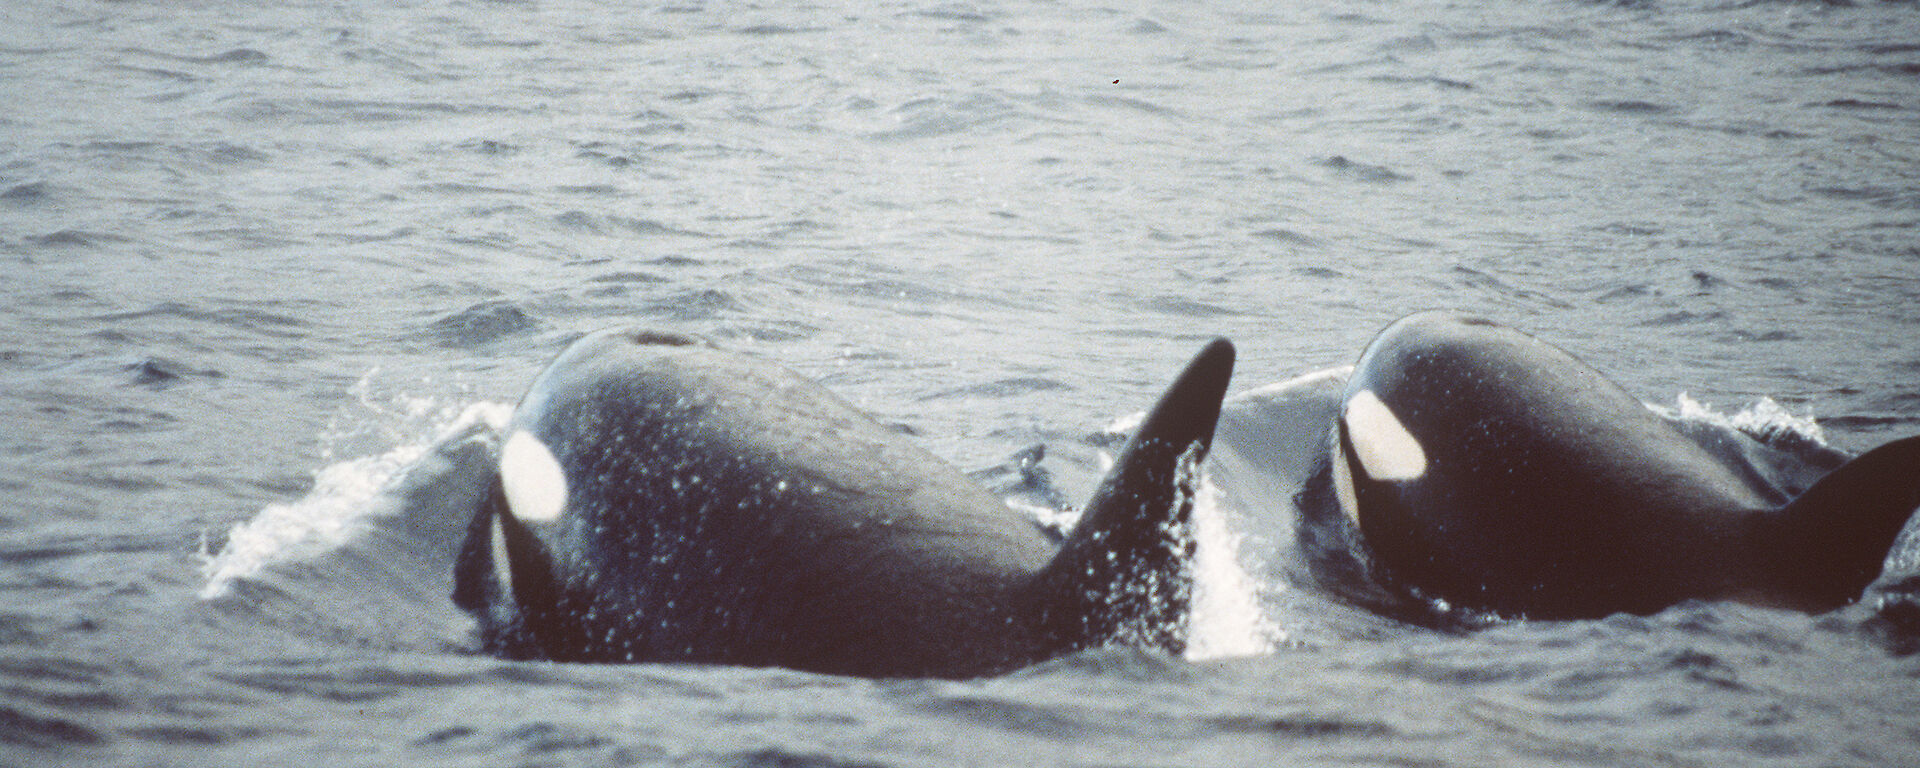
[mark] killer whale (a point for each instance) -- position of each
(1493, 471)
(660, 499)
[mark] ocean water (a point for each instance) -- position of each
(267, 264)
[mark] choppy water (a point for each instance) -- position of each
(258, 256)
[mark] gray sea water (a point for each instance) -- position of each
(260, 256)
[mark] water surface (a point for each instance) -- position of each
(260, 256)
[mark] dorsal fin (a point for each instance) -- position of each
(1826, 546)
(1122, 572)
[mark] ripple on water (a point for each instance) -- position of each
(25, 193)
(1008, 387)
(160, 372)
(482, 323)
(27, 729)
(1341, 166)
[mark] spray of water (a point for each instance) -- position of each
(1227, 619)
(1763, 417)
(344, 490)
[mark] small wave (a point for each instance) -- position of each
(1629, 107)
(1146, 26)
(1184, 307)
(160, 372)
(771, 30)
(74, 237)
(1016, 716)
(1891, 198)
(1773, 335)
(258, 321)
(1629, 292)
(1488, 283)
(1859, 104)
(1009, 387)
(1288, 236)
(956, 12)
(1353, 169)
(29, 191)
(1302, 726)
(1430, 80)
(947, 115)
(692, 306)
(483, 323)
(490, 147)
(1685, 317)
(625, 276)
(610, 224)
(1141, 106)
(235, 56)
(25, 729)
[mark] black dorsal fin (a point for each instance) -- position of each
(1826, 546)
(1123, 571)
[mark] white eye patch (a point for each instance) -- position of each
(535, 484)
(1387, 451)
(1343, 481)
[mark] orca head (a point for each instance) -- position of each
(506, 568)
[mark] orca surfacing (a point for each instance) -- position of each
(659, 499)
(1494, 471)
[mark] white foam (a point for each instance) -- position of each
(1119, 430)
(1387, 451)
(1060, 521)
(1226, 618)
(343, 491)
(1763, 417)
(1125, 425)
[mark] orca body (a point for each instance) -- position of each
(1495, 472)
(659, 499)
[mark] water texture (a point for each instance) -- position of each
(259, 257)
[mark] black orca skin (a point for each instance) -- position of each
(1508, 476)
(717, 508)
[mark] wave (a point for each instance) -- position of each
(366, 557)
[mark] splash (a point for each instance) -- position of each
(345, 490)
(1226, 618)
(1764, 419)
